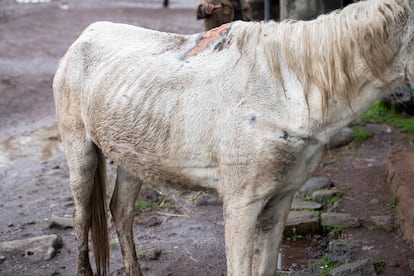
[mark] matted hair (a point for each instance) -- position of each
(336, 51)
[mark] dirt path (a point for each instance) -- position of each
(185, 237)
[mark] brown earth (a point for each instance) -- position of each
(185, 235)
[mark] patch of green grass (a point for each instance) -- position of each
(378, 113)
(359, 134)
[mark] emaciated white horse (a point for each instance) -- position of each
(244, 110)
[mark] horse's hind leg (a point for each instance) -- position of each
(122, 207)
(82, 160)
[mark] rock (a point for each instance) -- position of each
(304, 222)
(154, 254)
(308, 205)
(378, 129)
(339, 220)
(399, 178)
(2, 259)
(61, 223)
(148, 194)
(150, 222)
(401, 100)
(392, 263)
(315, 183)
(342, 138)
(358, 268)
(205, 199)
(322, 196)
(41, 247)
(374, 201)
(342, 251)
(411, 264)
(382, 222)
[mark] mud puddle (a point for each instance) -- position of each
(39, 145)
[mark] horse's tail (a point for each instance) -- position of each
(99, 228)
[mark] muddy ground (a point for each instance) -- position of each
(185, 235)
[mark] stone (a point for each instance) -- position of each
(385, 222)
(392, 263)
(154, 254)
(315, 183)
(40, 247)
(400, 174)
(411, 264)
(148, 194)
(342, 251)
(339, 220)
(401, 100)
(342, 138)
(205, 199)
(322, 196)
(150, 221)
(305, 204)
(60, 222)
(358, 268)
(374, 201)
(304, 222)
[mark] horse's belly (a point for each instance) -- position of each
(177, 170)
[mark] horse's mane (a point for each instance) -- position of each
(335, 52)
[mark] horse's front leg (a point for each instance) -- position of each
(125, 193)
(269, 231)
(240, 218)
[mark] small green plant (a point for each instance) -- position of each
(143, 205)
(295, 236)
(378, 262)
(113, 244)
(393, 203)
(359, 134)
(316, 213)
(378, 265)
(326, 265)
(323, 266)
(334, 198)
(54, 137)
(142, 253)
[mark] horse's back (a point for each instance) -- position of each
(118, 83)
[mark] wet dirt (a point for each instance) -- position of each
(185, 237)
